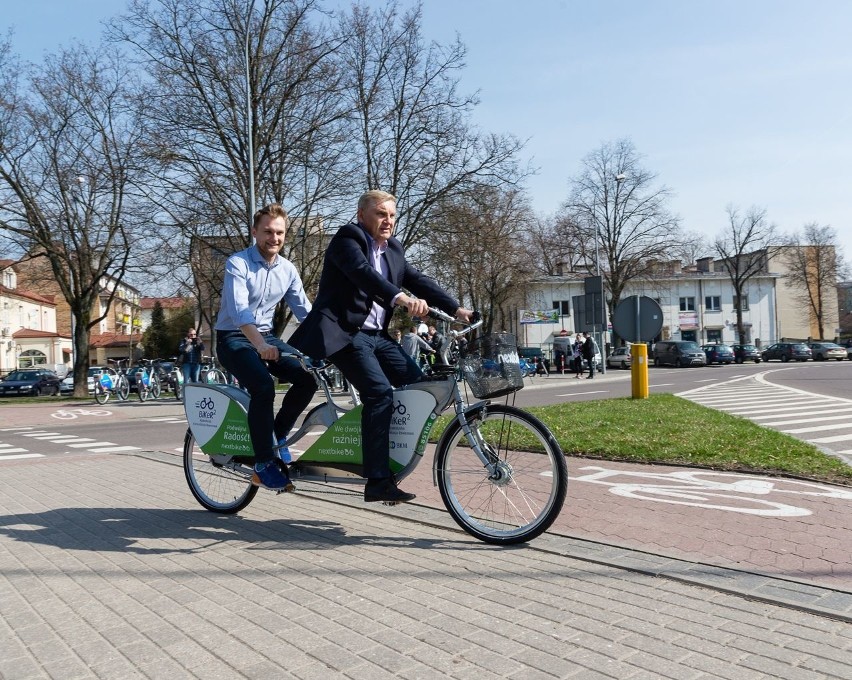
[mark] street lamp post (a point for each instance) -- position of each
(619, 178)
(249, 121)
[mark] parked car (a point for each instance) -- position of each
(786, 351)
(67, 384)
(30, 381)
(620, 358)
(823, 351)
(679, 353)
(746, 353)
(164, 371)
(718, 354)
(533, 355)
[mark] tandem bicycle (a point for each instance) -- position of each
(501, 473)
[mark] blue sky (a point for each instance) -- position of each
(742, 102)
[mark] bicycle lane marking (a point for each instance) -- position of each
(705, 489)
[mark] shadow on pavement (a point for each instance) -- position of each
(159, 531)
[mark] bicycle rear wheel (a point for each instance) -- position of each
(219, 483)
(101, 393)
(524, 494)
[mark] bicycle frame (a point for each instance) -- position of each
(336, 456)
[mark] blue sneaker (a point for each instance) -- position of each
(283, 451)
(271, 476)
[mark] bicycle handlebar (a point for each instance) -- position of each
(443, 316)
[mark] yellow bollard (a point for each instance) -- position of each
(639, 370)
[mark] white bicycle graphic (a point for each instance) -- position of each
(72, 413)
(715, 490)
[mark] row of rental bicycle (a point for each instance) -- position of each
(150, 379)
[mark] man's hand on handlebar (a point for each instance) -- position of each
(465, 315)
(415, 306)
(268, 352)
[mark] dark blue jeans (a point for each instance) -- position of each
(240, 357)
(191, 372)
(375, 364)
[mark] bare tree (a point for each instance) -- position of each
(476, 250)
(692, 246)
(550, 246)
(411, 125)
(200, 56)
(70, 146)
(617, 217)
(743, 249)
(814, 266)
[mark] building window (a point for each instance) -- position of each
(713, 303)
(687, 304)
(743, 300)
(564, 307)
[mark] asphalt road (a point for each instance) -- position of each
(792, 390)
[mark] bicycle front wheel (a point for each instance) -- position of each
(178, 389)
(155, 387)
(219, 483)
(524, 493)
(215, 376)
(101, 393)
(122, 390)
(142, 390)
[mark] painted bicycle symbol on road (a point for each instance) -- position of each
(72, 413)
(714, 490)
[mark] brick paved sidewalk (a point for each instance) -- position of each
(108, 569)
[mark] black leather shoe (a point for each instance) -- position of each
(385, 490)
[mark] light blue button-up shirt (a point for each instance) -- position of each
(253, 288)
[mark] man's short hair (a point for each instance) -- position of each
(374, 196)
(273, 209)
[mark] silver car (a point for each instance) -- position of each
(823, 351)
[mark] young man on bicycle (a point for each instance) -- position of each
(363, 275)
(256, 280)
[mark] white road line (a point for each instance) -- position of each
(801, 421)
(113, 449)
(90, 445)
(821, 428)
(48, 435)
(21, 456)
(64, 438)
(14, 429)
(831, 440)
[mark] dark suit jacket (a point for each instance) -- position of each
(348, 286)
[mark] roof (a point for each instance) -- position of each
(29, 295)
(32, 333)
(113, 340)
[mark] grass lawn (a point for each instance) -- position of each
(670, 430)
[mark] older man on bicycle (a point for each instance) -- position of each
(256, 280)
(363, 276)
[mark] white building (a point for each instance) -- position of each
(28, 335)
(697, 303)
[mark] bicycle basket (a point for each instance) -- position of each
(491, 366)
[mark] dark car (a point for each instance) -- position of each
(744, 353)
(679, 353)
(718, 354)
(787, 351)
(164, 370)
(533, 355)
(32, 382)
